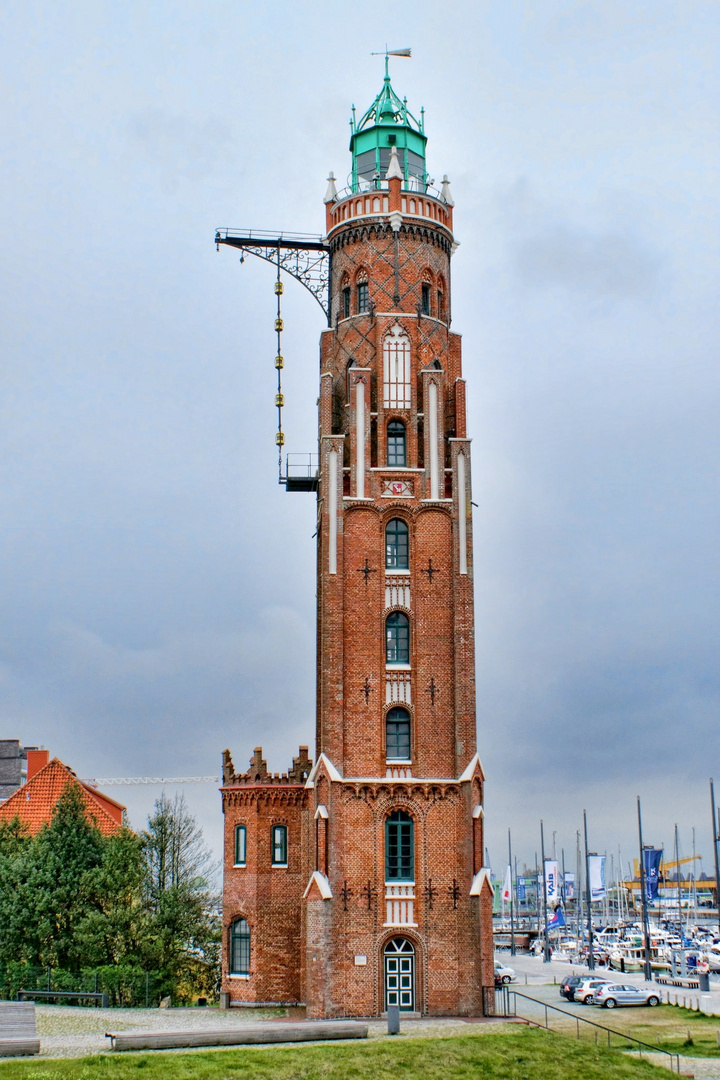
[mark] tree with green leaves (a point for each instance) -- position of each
(115, 907)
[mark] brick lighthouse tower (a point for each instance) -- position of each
(357, 881)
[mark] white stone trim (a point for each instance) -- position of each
(433, 426)
(470, 769)
(399, 903)
(332, 510)
(322, 883)
(479, 880)
(331, 771)
(462, 513)
(360, 437)
(322, 812)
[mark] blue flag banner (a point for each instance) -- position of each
(651, 862)
(520, 886)
(557, 921)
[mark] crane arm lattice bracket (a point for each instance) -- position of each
(126, 781)
(304, 257)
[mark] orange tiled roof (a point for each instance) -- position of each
(35, 801)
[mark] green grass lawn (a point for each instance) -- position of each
(518, 1054)
(681, 1031)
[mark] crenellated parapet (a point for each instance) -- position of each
(258, 770)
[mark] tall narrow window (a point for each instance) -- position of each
(425, 298)
(346, 302)
(363, 301)
(397, 638)
(397, 735)
(240, 948)
(399, 847)
(440, 304)
(396, 545)
(279, 845)
(396, 444)
(396, 369)
(240, 845)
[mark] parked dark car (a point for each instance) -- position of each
(567, 986)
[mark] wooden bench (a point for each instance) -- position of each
(305, 1031)
(18, 1034)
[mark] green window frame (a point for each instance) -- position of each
(346, 302)
(397, 546)
(279, 845)
(397, 735)
(399, 847)
(396, 444)
(425, 298)
(240, 845)
(363, 297)
(397, 638)
(240, 947)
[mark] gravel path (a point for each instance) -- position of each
(72, 1031)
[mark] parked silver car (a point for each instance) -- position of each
(612, 994)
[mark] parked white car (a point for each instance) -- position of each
(503, 975)
(585, 992)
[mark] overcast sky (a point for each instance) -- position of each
(157, 586)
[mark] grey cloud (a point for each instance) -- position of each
(609, 263)
(180, 146)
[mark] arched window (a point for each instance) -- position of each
(399, 847)
(425, 298)
(363, 297)
(240, 948)
(279, 845)
(396, 444)
(397, 638)
(397, 735)
(240, 845)
(396, 545)
(396, 369)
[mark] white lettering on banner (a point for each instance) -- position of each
(552, 892)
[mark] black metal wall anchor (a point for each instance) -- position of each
(345, 894)
(433, 689)
(369, 892)
(366, 570)
(430, 570)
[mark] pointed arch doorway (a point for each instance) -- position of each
(399, 958)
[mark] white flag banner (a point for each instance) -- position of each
(596, 867)
(552, 885)
(507, 887)
(569, 886)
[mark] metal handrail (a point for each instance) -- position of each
(382, 185)
(506, 991)
(269, 234)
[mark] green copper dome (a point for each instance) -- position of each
(387, 123)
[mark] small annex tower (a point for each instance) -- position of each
(358, 881)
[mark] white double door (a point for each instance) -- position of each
(400, 974)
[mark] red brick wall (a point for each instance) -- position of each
(268, 897)
(307, 949)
